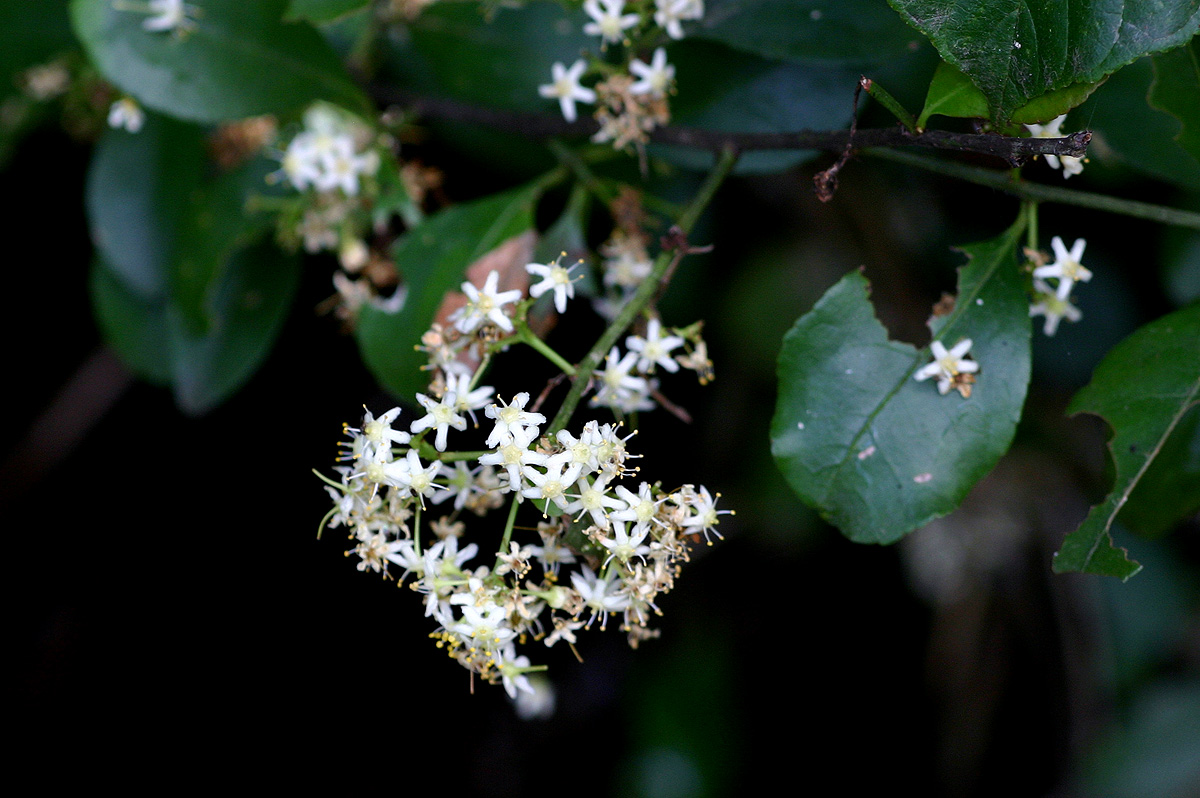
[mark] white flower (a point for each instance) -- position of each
(592, 499)
(538, 702)
(440, 415)
(1069, 163)
(654, 349)
(168, 15)
(566, 88)
(1066, 268)
(599, 595)
(705, 508)
(610, 25)
(1055, 309)
(340, 167)
(655, 77)
(670, 13)
(947, 366)
(514, 424)
(553, 277)
(617, 386)
(126, 113)
(624, 547)
(487, 626)
(485, 304)
(552, 485)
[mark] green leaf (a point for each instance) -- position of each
(951, 93)
(138, 190)
(247, 308)
(854, 33)
(433, 258)
(134, 326)
(323, 10)
(234, 59)
(1015, 51)
(181, 289)
(1143, 388)
(31, 33)
(1127, 129)
(878, 453)
(1170, 489)
(745, 93)
(1176, 90)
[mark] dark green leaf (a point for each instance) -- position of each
(1128, 130)
(323, 10)
(31, 33)
(878, 453)
(744, 93)
(1176, 90)
(138, 191)
(247, 309)
(1142, 388)
(1170, 489)
(499, 61)
(853, 33)
(1015, 51)
(433, 257)
(235, 59)
(134, 326)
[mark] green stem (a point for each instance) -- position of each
(526, 335)
(1041, 193)
(508, 528)
(1031, 219)
(454, 457)
(645, 292)
(890, 103)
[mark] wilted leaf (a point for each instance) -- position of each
(877, 452)
(1142, 388)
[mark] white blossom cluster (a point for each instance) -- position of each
(632, 99)
(1053, 300)
(601, 544)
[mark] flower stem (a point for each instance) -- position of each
(1041, 193)
(526, 335)
(891, 104)
(508, 529)
(645, 292)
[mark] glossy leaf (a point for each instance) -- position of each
(1143, 388)
(234, 59)
(745, 93)
(1015, 51)
(875, 451)
(1176, 90)
(853, 33)
(247, 306)
(433, 257)
(951, 93)
(1128, 130)
(1170, 489)
(138, 190)
(323, 10)
(133, 325)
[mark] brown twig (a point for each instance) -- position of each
(1012, 150)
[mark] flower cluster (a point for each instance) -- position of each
(631, 99)
(602, 544)
(1069, 164)
(1054, 300)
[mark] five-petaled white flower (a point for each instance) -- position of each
(1069, 163)
(670, 13)
(126, 113)
(566, 88)
(654, 349)
(1047, 303)
(609, 23)
(168, 15)
(655, 77)
(1066, 267)
(554, 277)
(949, 366)
(485, 304)
(440, 415)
